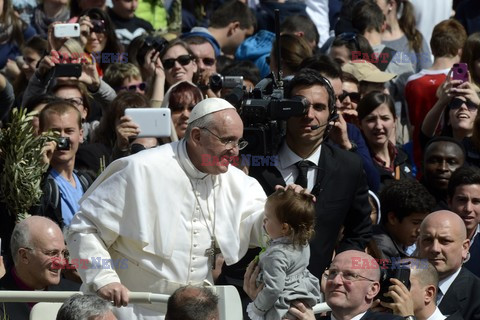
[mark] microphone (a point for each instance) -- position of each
(316, 127)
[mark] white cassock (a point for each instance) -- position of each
(153, 214)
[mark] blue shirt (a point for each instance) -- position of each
(69, 195)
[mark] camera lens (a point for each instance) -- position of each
(75, 27)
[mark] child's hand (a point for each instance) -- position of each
(249, 280)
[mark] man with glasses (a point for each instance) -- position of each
(205, 58)
(170, 212)
(38, 250)
(351, 283)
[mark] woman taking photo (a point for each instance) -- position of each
(376, 114)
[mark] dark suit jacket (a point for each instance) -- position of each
(342, 200)
(463, 295)
(386, 244)
(370, 315)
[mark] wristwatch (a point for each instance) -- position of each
(410, 318)
(354, 147)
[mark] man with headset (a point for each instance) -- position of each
(335, 176)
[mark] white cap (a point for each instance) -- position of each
(207, 106)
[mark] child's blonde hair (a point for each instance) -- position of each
(297, 210)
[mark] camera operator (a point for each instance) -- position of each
(62, 185)
(418, 302)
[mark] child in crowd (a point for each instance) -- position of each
(289, 221)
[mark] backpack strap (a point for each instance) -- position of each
(385, 58)
(85, 179)
(52, 193)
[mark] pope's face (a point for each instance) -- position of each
(219, 142)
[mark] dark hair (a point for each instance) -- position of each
(180, 91)
(232, 11)
(18, 26)
(34, 101)
(37, 44)
(447, 38)
(301, 23)
(105, 132)
(354, 42)
(224, 62)
(471, 53)
(324, 64)
(408, 25)
(112, 45)
(293, 50)
(59, 107)
(443, 139)
(348, 77)
(372, 101)
(309, 77)
(465, 175)
(245, 68)
(367, 17)
(404, 197)
(297, 210)
(192, 303)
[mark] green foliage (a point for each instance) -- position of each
(21, 163)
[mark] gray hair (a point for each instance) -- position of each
(192, 303)
(20, 239)
(206, 121)
(81, 307)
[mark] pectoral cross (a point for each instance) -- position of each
(212, 252)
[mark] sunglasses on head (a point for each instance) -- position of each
(98, 26)
(354, 96)
(456, 103)
(141, 86)
(207, 61)
(183, 60)
(349, 37)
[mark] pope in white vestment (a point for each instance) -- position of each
(153, 214)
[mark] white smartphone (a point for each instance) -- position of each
(64, 30)
(153, 122)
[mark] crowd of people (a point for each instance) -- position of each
(377, 164)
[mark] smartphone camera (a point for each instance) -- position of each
(98, 26)
(63, 143)
(400, 271)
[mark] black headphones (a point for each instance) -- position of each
(332, 105)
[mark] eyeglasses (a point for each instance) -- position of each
(230, 144)
(456, 103)
(207, 61)
(354, 96)
(53, 253)
(141, 86)
(346, 276)
(349, 37)
(183, 60)
(77, 102)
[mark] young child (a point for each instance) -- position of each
(289, 221)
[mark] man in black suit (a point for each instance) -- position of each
(335, 176)
(443, 241)
(420, 299)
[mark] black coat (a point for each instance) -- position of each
(342, 200)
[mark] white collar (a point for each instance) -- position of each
(444, 284)
(357, 317)
(186, 164)
(288, 158)
(437, 315)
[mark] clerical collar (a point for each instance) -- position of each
(186, 163)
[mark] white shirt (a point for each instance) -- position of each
(437, 315)
(444, 284)
(143, 210)
(286, 165)
(357, 317)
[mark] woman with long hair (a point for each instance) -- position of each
(13, 33)
(471, 56)
(402, 34)
(98, 37)
(178, 62)
(377, 117)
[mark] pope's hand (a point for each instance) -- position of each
(115, 292)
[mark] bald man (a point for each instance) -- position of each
(352, 282)
(35, 244)
(192, 303)
(443, 241)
